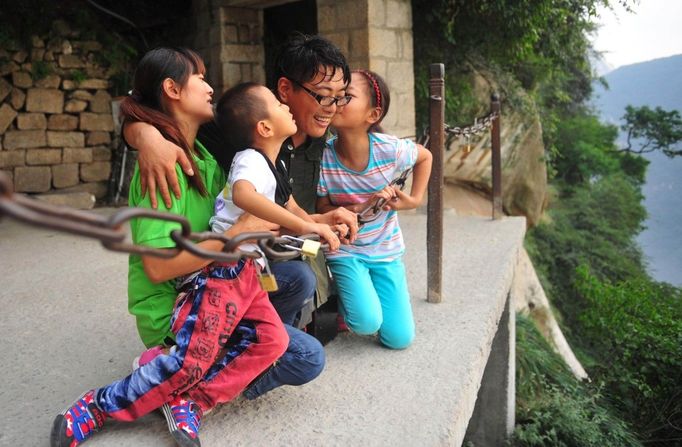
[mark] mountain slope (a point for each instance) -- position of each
(654, 83)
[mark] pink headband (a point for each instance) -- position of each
(375, 86)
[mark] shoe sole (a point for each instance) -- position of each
(185, 441)
(55, 439)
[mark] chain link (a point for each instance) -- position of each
(110, 231)
(480, 125)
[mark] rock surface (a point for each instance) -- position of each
(524, 174)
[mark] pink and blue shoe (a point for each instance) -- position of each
(78, 422)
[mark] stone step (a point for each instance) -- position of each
(77, 200)
(67, 329)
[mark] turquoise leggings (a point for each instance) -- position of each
(374, 298)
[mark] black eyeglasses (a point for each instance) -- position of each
(325, 101)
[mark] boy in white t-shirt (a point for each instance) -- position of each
(256, 123)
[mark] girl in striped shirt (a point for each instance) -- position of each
(357, 168)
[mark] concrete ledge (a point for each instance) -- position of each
(67, 329)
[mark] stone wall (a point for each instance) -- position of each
(231, 41)
(55, 115)
(377, 34)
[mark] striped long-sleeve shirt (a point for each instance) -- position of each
(389, 156)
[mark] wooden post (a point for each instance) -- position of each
(434, 229)
(496, 157)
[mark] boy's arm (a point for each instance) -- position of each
(294, 208)
(157, 158)
(420, 181)
(245, 196)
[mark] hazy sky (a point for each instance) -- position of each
(652, 31)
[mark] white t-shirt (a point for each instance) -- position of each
(247, 165)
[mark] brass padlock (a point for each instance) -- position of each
(267, 280)
(310, 248)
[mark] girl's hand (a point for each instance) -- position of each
(402, 201)
(388, 194)
(326, 233)
(342, 216)
(343, 232)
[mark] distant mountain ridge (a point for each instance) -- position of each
(653, 83)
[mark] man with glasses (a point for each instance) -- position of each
(312, 75)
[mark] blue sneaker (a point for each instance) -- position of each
(184, 419)
(78, 422)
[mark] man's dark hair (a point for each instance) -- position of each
(238, 111)
(300, 57)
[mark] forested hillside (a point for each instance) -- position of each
(624, 327)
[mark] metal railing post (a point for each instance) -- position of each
(434, 229)
(496, 156)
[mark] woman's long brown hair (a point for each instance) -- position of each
(144, 104)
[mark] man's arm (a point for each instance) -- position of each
(157, 158)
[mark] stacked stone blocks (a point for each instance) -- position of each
(56, 122)
(377, 34)
(230, 40)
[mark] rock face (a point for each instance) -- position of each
(524, 174)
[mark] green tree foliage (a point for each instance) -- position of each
(597, 214)
(656, 129)
(594, 225)
(553, 409)
(542, 44)
(627, 328)
(585, 150)
(634, 328)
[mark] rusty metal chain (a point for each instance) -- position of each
(480, 125)
(110, 231)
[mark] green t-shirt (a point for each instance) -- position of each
(152, 304)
